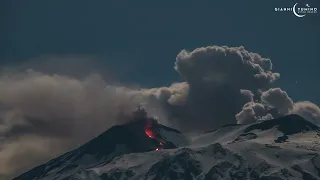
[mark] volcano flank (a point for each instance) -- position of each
(145, 149)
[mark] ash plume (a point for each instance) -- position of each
(218, 82)
(45, 114)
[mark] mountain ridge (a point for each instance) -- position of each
(163, 145)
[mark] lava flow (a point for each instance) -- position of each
(140, 113)
(151, 134)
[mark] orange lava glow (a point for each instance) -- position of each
(152, 134)
(149, 133)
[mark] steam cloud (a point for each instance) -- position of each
(43, 115)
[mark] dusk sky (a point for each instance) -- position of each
(141, 43)
(132, 36)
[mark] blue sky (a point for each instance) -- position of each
(133, 37)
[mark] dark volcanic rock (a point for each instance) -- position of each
(233, 152)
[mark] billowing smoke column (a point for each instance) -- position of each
(224, 85)
(218, 82)
(43, 115)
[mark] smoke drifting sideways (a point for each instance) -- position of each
(43, 115)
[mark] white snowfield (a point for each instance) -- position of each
(287, 148)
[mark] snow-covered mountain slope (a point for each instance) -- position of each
(284, 148)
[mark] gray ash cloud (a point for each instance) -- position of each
(45, 114)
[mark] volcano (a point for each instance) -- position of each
(142, 134)
(283, 148)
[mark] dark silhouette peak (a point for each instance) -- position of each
(141, 134)
(289, 124)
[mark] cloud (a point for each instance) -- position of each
(220, 80)
(214, 66)
(45, 114)
(276, 102)
(307, 110)
(251, 112)
(278, 99)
